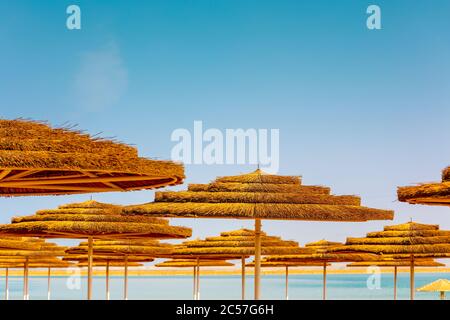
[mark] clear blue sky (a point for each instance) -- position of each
(361, 111)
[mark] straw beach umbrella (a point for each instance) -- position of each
(195, 264)
(36, 159)
(258, 196)
(428, 193)
(185, 263)
(39, 263)
(441, 286)
(124, 248)
(318, 255)
(108, 264)
(19, 263)
(24, 258)
(91, 220)
(107, 261)
(237, 244)
(396, 263)
(286, 265)
(409, 240)
(22, 250)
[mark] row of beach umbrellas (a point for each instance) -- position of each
(37, 159)
(113, 258)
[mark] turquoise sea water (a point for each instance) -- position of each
(349, 286)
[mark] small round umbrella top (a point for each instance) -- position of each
(259, 196)
(91, 219)
(428, 193)
(36, 159)
(440, 285)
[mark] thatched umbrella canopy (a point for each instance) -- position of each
(441, 286)
(193, 263)
(113, 263)
(188, 263)
(36, 159)
(107, 260)
(259, 196)
(409, 240)
(286, 265)
(396, 263)
(36, 263)
(124, 248)
(237, 244)
(22, 251)
(428, 193)
(104, 263)
(91, 220)
(318, 255)
(106, 257)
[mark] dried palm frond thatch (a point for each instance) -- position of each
(404, 241)
(397, 263)
(324, 257)
(106, 257)
(187, 263)
(259, 196)
(428, 193)
(440, 285)
(152, 249)
(101, 263)
(78, 221)
(273, 264)
(36, 159)
(107, 223)
(408, 238)
(226, 245)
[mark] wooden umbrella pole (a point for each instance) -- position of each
(198, 279)
(411, 278)
(49, 273)
(25, 279)
(287, 283)
(442, 295)
(6, 284)
(243, 277)
(194, 294)
(324, 294)
(90, 254)
(107, 280)
(257, 258)
(125, 285)
(395, 283)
